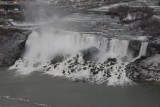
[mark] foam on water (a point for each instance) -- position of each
(23, 101)
(65, 54)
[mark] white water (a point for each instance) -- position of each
(45, 45)
(143, 50)
(23, 101)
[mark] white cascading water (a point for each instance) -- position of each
(143, 51)
(42, 47)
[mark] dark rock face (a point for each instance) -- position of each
(134, 47)
(159, 3)
(153, 49)
(147, 69)
(57, 59)
(90, 54)
(12, 42)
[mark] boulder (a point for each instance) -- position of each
(90, 53)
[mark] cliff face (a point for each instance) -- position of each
(12, 43)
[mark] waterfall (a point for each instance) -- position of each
(119, 47)
(143, 51)
(76, 56)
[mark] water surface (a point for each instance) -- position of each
(39, 90)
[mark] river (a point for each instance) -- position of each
(41, 90)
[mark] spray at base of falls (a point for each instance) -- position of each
(80, 57)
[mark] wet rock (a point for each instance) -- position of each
(134, 47)
(135, 44)
(57, 59)
(146, 69)
(153, 49)
(48, 69)
(12, 44)
(72, 70)
(90, 54)
(111, 61)
(159, 3)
